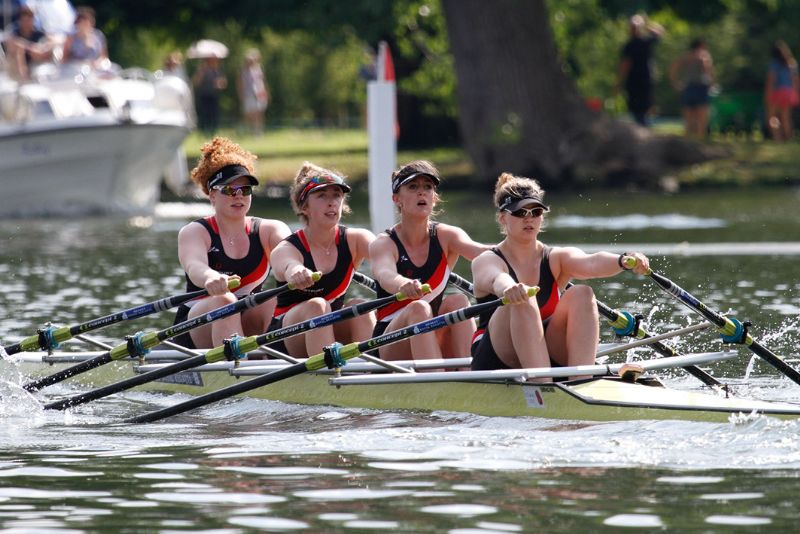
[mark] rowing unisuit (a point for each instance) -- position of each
(483, 354)
(332, 286)
(434, 272)
(253, 269)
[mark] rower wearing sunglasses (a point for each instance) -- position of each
(319, 198)
(227, 244)
(417, 251)
(557, 327)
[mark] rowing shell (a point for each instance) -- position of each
(365, 385)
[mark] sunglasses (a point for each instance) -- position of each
(321, 181)
(231, 190)
(527, 212)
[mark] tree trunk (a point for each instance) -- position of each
(519, 111)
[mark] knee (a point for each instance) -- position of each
(581, 294)
(456, 301)
(316, 306)
(418, 310)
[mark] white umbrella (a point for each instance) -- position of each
(207, 48)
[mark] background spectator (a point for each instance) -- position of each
(209, 81)
(635, 72)
(692, 75)
(253, 92)
(781, 92)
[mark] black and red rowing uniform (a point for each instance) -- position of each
(252, 269)
(435, 272)
(332, 286)
(484, 357)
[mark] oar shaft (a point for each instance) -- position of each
(62, 334)
(725, 325)
(466, 287)
(318, 361)
(150, 340)
(218, 353)
(128, 383)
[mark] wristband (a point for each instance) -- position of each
(621, 263)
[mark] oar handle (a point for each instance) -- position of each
(318, 361)
(462, 284)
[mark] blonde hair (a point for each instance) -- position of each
(218, 153)
(517, 186)
(304, 175)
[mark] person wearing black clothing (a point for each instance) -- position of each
(635, 72)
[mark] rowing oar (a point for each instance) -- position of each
(49, 338)
(731, 329)
(462, 284)
(333, 356)
(233, 349)
(139, 344)
(624, 324)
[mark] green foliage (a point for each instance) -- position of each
(421, 37)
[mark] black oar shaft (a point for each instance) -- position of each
(150, 340)
(662, 349)
(64, 333)
(218, 353)
(726, 326)
(317, 362)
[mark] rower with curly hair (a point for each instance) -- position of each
(227, 244)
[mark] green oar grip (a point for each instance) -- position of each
(532, 291)
(233, 283)
(315, 276)
(629, 262)
(425, 288)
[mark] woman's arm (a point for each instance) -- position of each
(571, 262)
(456, 241)
(383, 258)
(287, 263)
(359, 240)
(193, 244)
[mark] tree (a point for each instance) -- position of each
(520, 112)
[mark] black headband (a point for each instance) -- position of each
(227, 172)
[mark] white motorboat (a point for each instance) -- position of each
(76, 140)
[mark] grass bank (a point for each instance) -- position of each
(754, 161)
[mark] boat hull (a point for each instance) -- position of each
(87, 165)
(594, 399)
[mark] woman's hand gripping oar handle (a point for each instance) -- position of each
(140, 344)
(230, 351)
(333, 356)
(49, 338)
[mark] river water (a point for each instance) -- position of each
(248, 465)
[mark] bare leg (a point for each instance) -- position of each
(355, 329)
(518, 336)
(574, 330)
(418, 347)
(311, 342)
(455, 340)
(214, 334)
(256, 321)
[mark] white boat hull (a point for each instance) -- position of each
(86, 166)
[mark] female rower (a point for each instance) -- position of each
(419, 251)
(226, 244)
(319, 200)
(552, 328)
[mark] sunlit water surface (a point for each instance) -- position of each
(245, 465)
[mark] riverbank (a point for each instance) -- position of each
(755, 161)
